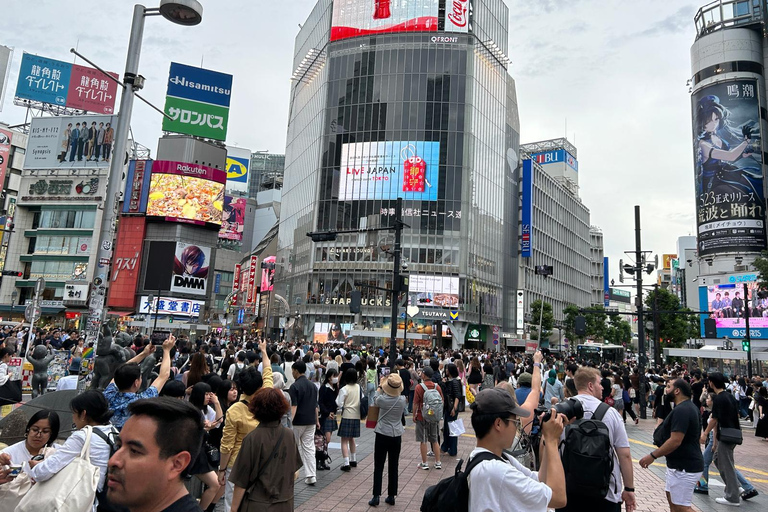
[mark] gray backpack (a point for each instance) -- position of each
(432, 407)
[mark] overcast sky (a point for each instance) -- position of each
(616, 71)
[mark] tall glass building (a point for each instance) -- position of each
(402, 99)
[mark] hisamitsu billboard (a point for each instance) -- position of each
(198, 84)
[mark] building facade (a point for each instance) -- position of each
(364, 110)
(597, 266)
(560, 234)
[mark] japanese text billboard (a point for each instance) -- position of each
(5, 153)
(68, 85)
(170, 306)
(190, 269)
(728, 168)
(388, 170)
(66, 142)
(233, 218)
(238, 164)
(352, 18)
(184, 192)
(197, 102)
(526, 214)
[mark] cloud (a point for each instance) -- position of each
(676, 23)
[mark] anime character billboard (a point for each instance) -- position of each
(190, 269)
(728, 158)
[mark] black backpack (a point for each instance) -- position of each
(104, 504)
(587, 456)
(452, 493)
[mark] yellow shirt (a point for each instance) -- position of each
(240, 422)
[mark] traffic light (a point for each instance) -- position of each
(14, 273)
(355, 301)
(621, 271)
(745, 346)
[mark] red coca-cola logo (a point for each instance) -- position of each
(459, 15)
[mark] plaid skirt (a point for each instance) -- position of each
(329, 425)
(349, 428)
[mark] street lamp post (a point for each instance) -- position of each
(182, 12)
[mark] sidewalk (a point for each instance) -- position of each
(337, 491)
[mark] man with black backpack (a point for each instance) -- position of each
(600, 438)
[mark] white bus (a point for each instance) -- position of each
(599, 353)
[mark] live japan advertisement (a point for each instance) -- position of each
(730, 204)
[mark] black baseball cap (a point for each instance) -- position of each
(498, 401)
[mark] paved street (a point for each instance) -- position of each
(337, 491)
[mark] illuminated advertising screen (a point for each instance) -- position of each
(335, 334)
(730, 204)
(267, 273)
(388, 170)
(232, 218)
(184, 192)
(727, 305)
(5, 152)
(352, 18)
(190, 269)
(433, 290)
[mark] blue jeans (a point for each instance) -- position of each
(708, 455)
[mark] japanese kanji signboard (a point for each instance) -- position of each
(728, 158)
(68, 85)
(197, 102)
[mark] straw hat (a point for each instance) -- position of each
(393, 386)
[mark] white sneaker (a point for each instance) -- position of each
(310, 480)
(724, 501)
(430, 453)
(438, 465)
(424, 466)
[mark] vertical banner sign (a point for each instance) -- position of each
(252, 279)
(728, 155)
(527, 213)
(5, 153)
(238, 165)
(457, 16)
(267, 273)
(236, 284)
(137, 186)
(606, 283)
(197, 102)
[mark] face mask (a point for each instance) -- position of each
(334, 380)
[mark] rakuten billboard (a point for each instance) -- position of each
(352, 18)
(388, 170)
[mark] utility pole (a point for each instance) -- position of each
(747, 338)
(396, 286)
(656, 341)
(639, 299)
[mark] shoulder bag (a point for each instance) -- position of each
(73, 489)
(731, 436)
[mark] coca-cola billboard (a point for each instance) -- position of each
(353, 18)
(457, 16)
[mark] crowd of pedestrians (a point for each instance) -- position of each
(249, 419)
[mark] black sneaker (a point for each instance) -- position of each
(700, 490)
(345, 468)
(353, 463)
(749, 494)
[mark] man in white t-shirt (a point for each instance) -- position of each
(237, 367)
(502, 484)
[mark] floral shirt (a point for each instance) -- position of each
(119, 402)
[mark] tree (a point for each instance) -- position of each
(761, 265)
(571, 311)
(619, 331)
(596, 317)
(674, 328)
(547, 321)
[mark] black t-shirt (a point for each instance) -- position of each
(405, 375)
(342, 369)
(684, 417)
(304, 397)
(725, 409)
(661, 403)
(185, 504)
(607, 388)
(696, 389)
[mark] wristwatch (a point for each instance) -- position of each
(629, 489)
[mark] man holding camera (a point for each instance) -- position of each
(590, 394)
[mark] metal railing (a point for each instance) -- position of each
(722, 14)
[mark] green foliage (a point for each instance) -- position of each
(619, 331)
(596, 317)
(569, 324)
(761, 265)
(674, 328)
(547, 321)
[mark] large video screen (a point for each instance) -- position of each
(727, 304)
(233, 218)
(388, 170)
(433, 290)
(728, 158)
(335, 334)
(185, 192)
(352, 18)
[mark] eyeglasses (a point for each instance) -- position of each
(40, 432)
